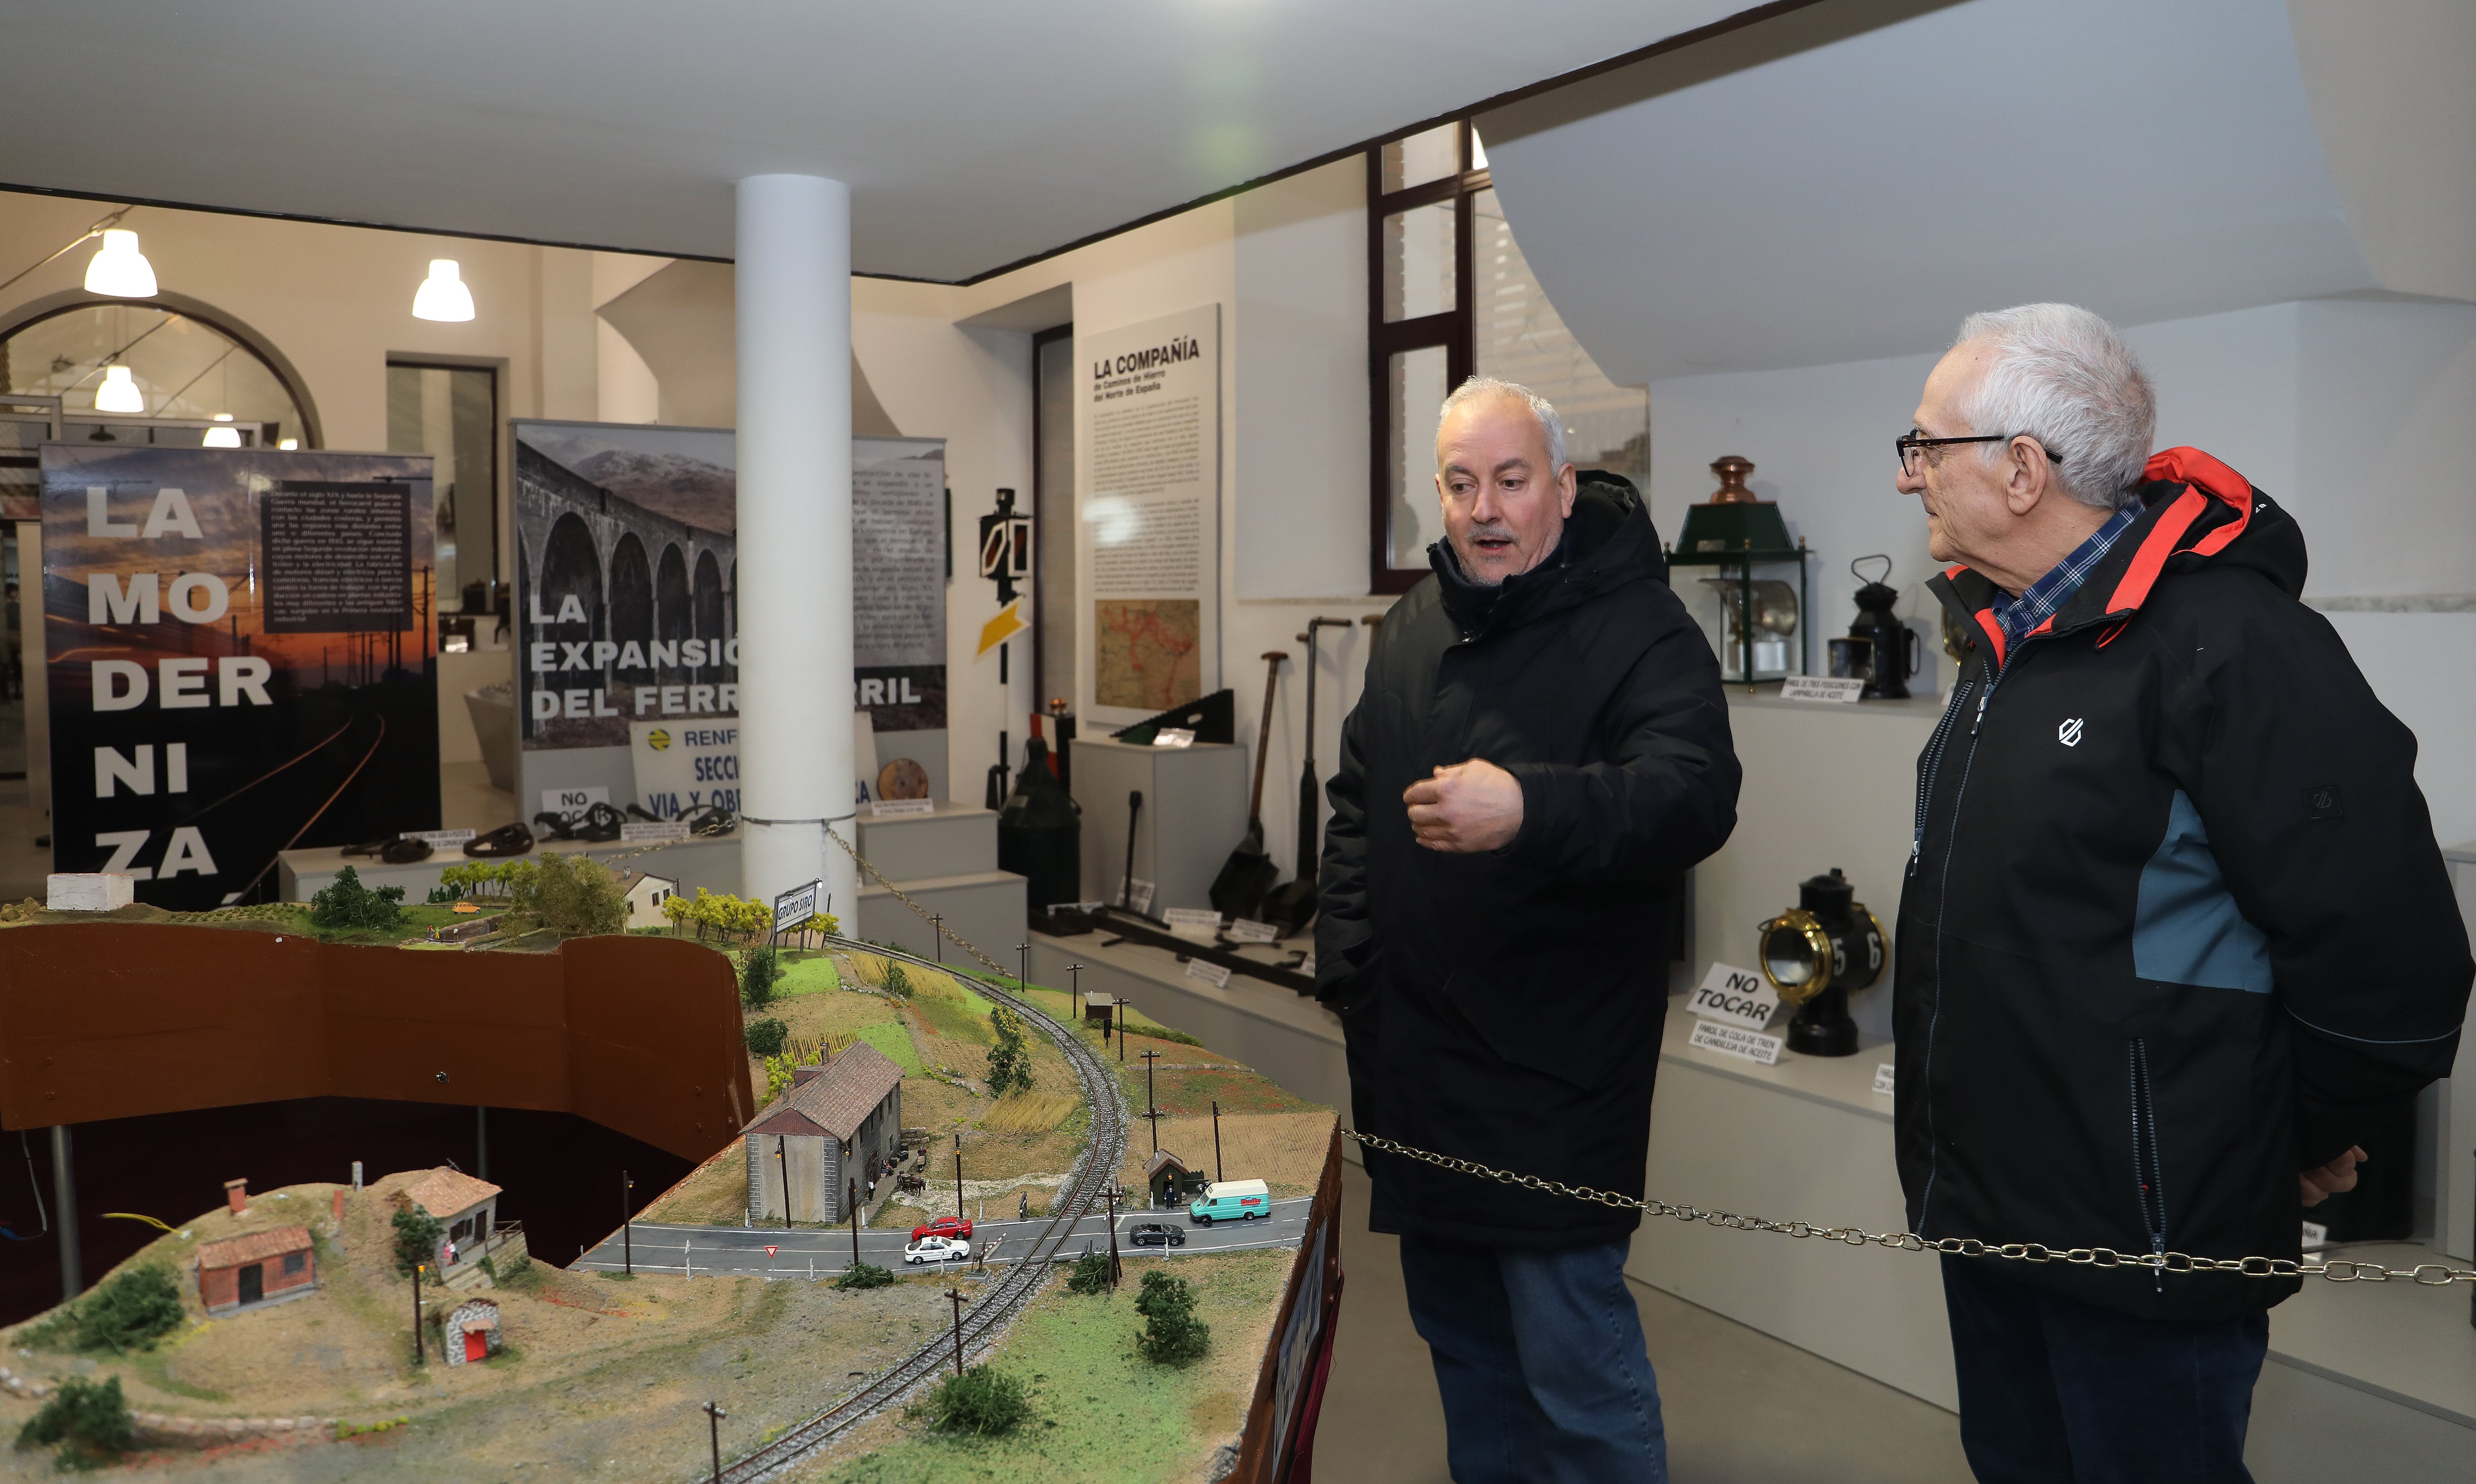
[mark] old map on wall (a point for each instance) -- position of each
(1148, 656)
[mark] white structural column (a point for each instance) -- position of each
(795, 535)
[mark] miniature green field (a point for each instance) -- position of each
(1102, 1413)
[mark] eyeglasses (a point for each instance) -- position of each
(1911, 446)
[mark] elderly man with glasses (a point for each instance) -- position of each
(2176, 932)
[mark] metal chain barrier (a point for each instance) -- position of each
(2431, 1274)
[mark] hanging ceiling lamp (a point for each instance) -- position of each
(120, 271)
(442, 296)
(118, 393)
(223, 435)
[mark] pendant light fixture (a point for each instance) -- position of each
(442, 296)
(120, 271)
(118, 393)
(223, 435)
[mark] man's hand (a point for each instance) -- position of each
(1468, 807)
(2339, 1174)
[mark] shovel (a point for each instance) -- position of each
(1249, 873)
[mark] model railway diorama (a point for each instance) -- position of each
(935, 1223)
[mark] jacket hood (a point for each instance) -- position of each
(2196, 509)
(1608, 541)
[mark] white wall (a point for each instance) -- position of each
(1288, 267)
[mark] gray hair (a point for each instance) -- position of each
(2062, 376)
(1551, 426)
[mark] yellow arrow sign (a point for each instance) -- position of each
(1005, 626)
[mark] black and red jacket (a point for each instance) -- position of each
(2175, 925)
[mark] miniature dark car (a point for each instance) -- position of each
(1154, 1234)
(944, 1226)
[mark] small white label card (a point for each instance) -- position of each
(573, 801)
(1247, 929)
(1173, 737)
(2315, 1235)
(1139, 895)
(438, 839)
(1735, 1040)
(1741, 997)
(1306, 966)
(1883, 1078)
(1192, 922)
(654, 832)
(1213, 974)
(1822, 688)
(901, 808)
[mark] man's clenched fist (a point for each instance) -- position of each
(1474, 806)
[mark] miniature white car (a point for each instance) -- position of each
(937, 1250)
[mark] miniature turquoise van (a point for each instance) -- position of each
(1231, 1200)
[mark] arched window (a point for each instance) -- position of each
(184, 368)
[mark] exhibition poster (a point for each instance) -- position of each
(627, 612)
(1151, 507)
(240, 657)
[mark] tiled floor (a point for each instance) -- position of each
(1739, 1405)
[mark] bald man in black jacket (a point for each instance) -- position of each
(1540, 752)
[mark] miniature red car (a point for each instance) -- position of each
(944, 1226)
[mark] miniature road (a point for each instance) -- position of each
(814, 1252)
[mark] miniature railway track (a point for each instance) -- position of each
(1002, 1299)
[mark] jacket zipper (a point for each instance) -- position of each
(1926, 775)
(2149, 1182)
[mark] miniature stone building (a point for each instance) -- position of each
(240, 1272)
(472, 1331)
(836, 1124)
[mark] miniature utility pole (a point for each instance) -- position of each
(714, 1415)
(1120, 1011)
(957, 1295)
(851, 1181)
(958, 1176)
(627, 1219)
(1074, 991)
(937, 936)
(1217, 1176)
(784, 1159)
(1151, 1104)
(1023, 969)
(419, 1356)
(1113, 1239)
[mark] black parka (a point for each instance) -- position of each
(1506, 1006)
(2175, 925)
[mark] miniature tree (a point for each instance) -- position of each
(130, 1312)
(864, 1275)
(572, 895)
(897, 982)
(90, 1422)
(1090, 1273)
(981, 1402)
(1171, 1334)
(417, 1236)
(1010, 1059)
(758, 972)
(767, 1037)
(349, 904)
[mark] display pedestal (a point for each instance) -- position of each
(1194, 815)
(947, 863)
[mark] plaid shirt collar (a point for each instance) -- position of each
(2046, 596)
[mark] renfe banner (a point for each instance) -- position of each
(239, 660)
(627, 622)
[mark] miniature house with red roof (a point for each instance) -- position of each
(239, 1272)
(821, 1138)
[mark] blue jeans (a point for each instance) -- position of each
(2054, 1391)
(1540, 1361)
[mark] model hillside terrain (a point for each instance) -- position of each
(532, 1371)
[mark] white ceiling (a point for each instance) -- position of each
(973, 133)
(1848, 181)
